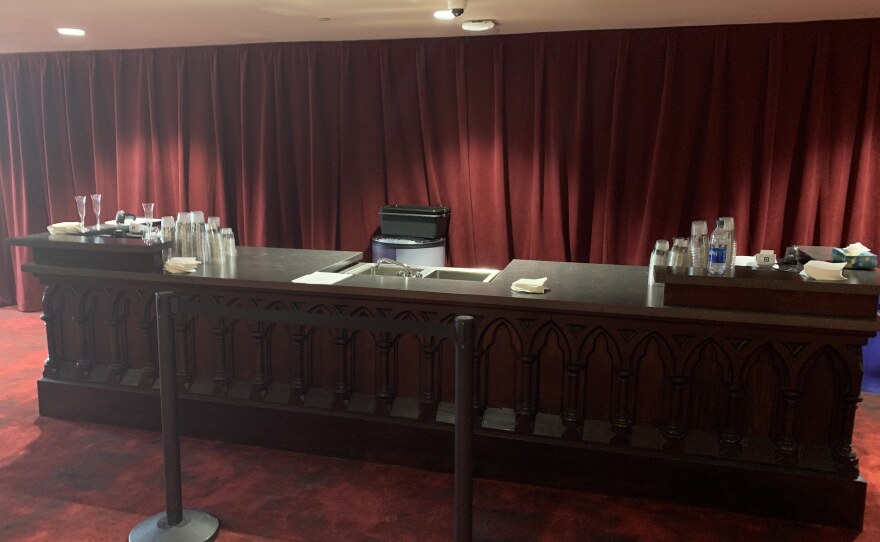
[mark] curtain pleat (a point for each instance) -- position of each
(578, 146)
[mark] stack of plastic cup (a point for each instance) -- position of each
(184, 242)
(678, 256)
(166, 233)
(228, 239)
(214, 242)
(699, 244)
(731, 244)
(200, 240)
(659, 257)
(660, 254)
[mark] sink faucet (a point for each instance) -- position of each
(408, 271)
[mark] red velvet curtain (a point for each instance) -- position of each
(582, 146)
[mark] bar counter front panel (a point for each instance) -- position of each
(595, 385)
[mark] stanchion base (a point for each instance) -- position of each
(197, 526)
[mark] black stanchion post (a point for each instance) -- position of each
(464, 428)
(168, 401)
(174, 524)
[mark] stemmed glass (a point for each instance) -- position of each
(81, 209)
(96, 207)
(148, 219)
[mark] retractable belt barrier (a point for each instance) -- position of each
(177, 524)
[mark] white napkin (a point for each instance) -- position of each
(819, 270)
(64, 227)
(179, 265)
(855, 249)
(319, 277)
(530, 286)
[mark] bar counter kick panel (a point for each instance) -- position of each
(748, 417)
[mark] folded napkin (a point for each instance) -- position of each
(530, 286)
(320, 277)
(819, 270)
(179, 265)
(65, 227)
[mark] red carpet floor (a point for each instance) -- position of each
(71, 481)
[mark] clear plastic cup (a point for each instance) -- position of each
(699, 244)
(228, 242)
(184, 235)
(166, 233)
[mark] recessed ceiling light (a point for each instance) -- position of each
(478, 26)
(71, 32)
(444, 15)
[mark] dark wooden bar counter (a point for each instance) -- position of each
(597, 384)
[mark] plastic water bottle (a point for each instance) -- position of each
(718, 242)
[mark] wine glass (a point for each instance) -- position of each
(81, 209)
(96, 207)
(148, 217)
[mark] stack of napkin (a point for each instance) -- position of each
(819, 270)
(64, 227)
(178, 265)
(530, 286)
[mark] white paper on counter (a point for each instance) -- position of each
(320, 277)
(64, 227)
(819, 270)
(529, 286)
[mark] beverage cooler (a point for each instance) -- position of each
(412, 234)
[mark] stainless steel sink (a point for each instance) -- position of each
(443, 273)
(461, 273)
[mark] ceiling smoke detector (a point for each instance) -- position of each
(478, 25)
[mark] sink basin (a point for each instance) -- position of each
(444, 273)
(459, 273)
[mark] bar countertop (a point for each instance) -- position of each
(573, 287)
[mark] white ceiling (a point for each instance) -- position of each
(29, 25)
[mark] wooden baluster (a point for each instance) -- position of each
(622, 419)
(526, 394)
(222, 332)
(786, 445)
(673, 429)
(481, 381)
(260, 382)
(52, 306)
(147, 327)
(118, 324)
(184, 348)
(572, 396)
(118, 350)
(85, 324)
(299, 381)
(344, 371)
(386, 388)
(844, 455)
(731, 438)
(429, 382)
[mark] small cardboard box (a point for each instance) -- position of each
(865, 260)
